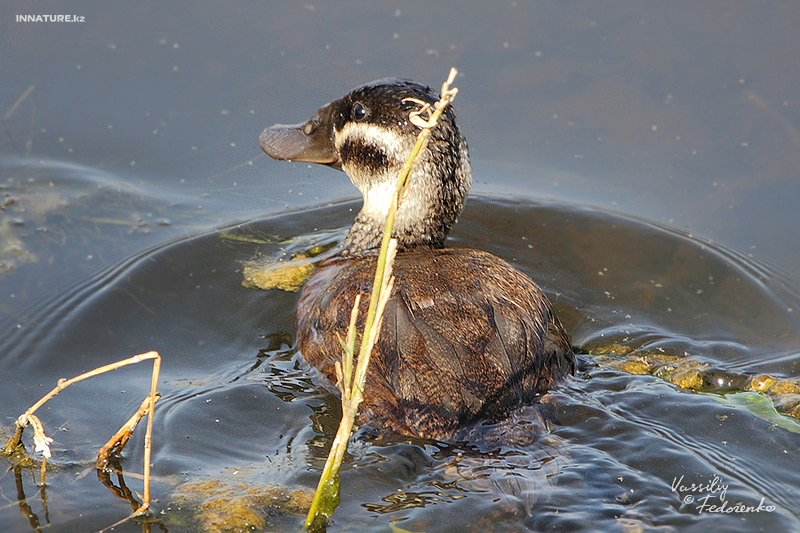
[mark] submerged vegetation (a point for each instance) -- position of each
(692, 373)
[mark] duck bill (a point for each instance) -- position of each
(310, 141)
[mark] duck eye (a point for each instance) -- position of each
(359, 112)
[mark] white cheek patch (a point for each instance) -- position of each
(378, 187)
(368, 133)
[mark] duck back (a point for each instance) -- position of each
(466, 337)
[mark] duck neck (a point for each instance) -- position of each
(366, 233)
(435, 197)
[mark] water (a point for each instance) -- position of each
(639, 162)
(235, 398)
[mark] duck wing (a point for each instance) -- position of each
(465, 337)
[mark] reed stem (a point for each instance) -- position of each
(326, 498)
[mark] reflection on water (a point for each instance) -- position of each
(239, 409)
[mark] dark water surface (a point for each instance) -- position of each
(639, 161)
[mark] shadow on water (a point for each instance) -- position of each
(241, 424)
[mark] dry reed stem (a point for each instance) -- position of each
(42, 441)
(151, 401)
(148, 436)
(121, 437)
(42, 470)
(19, 101)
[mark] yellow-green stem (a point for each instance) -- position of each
(352, 387)
(335, 457)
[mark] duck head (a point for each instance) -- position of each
(369, 136)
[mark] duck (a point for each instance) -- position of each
(466, 337)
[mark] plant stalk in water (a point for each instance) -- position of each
(115, 444)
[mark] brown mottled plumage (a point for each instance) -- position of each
(466, 337)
